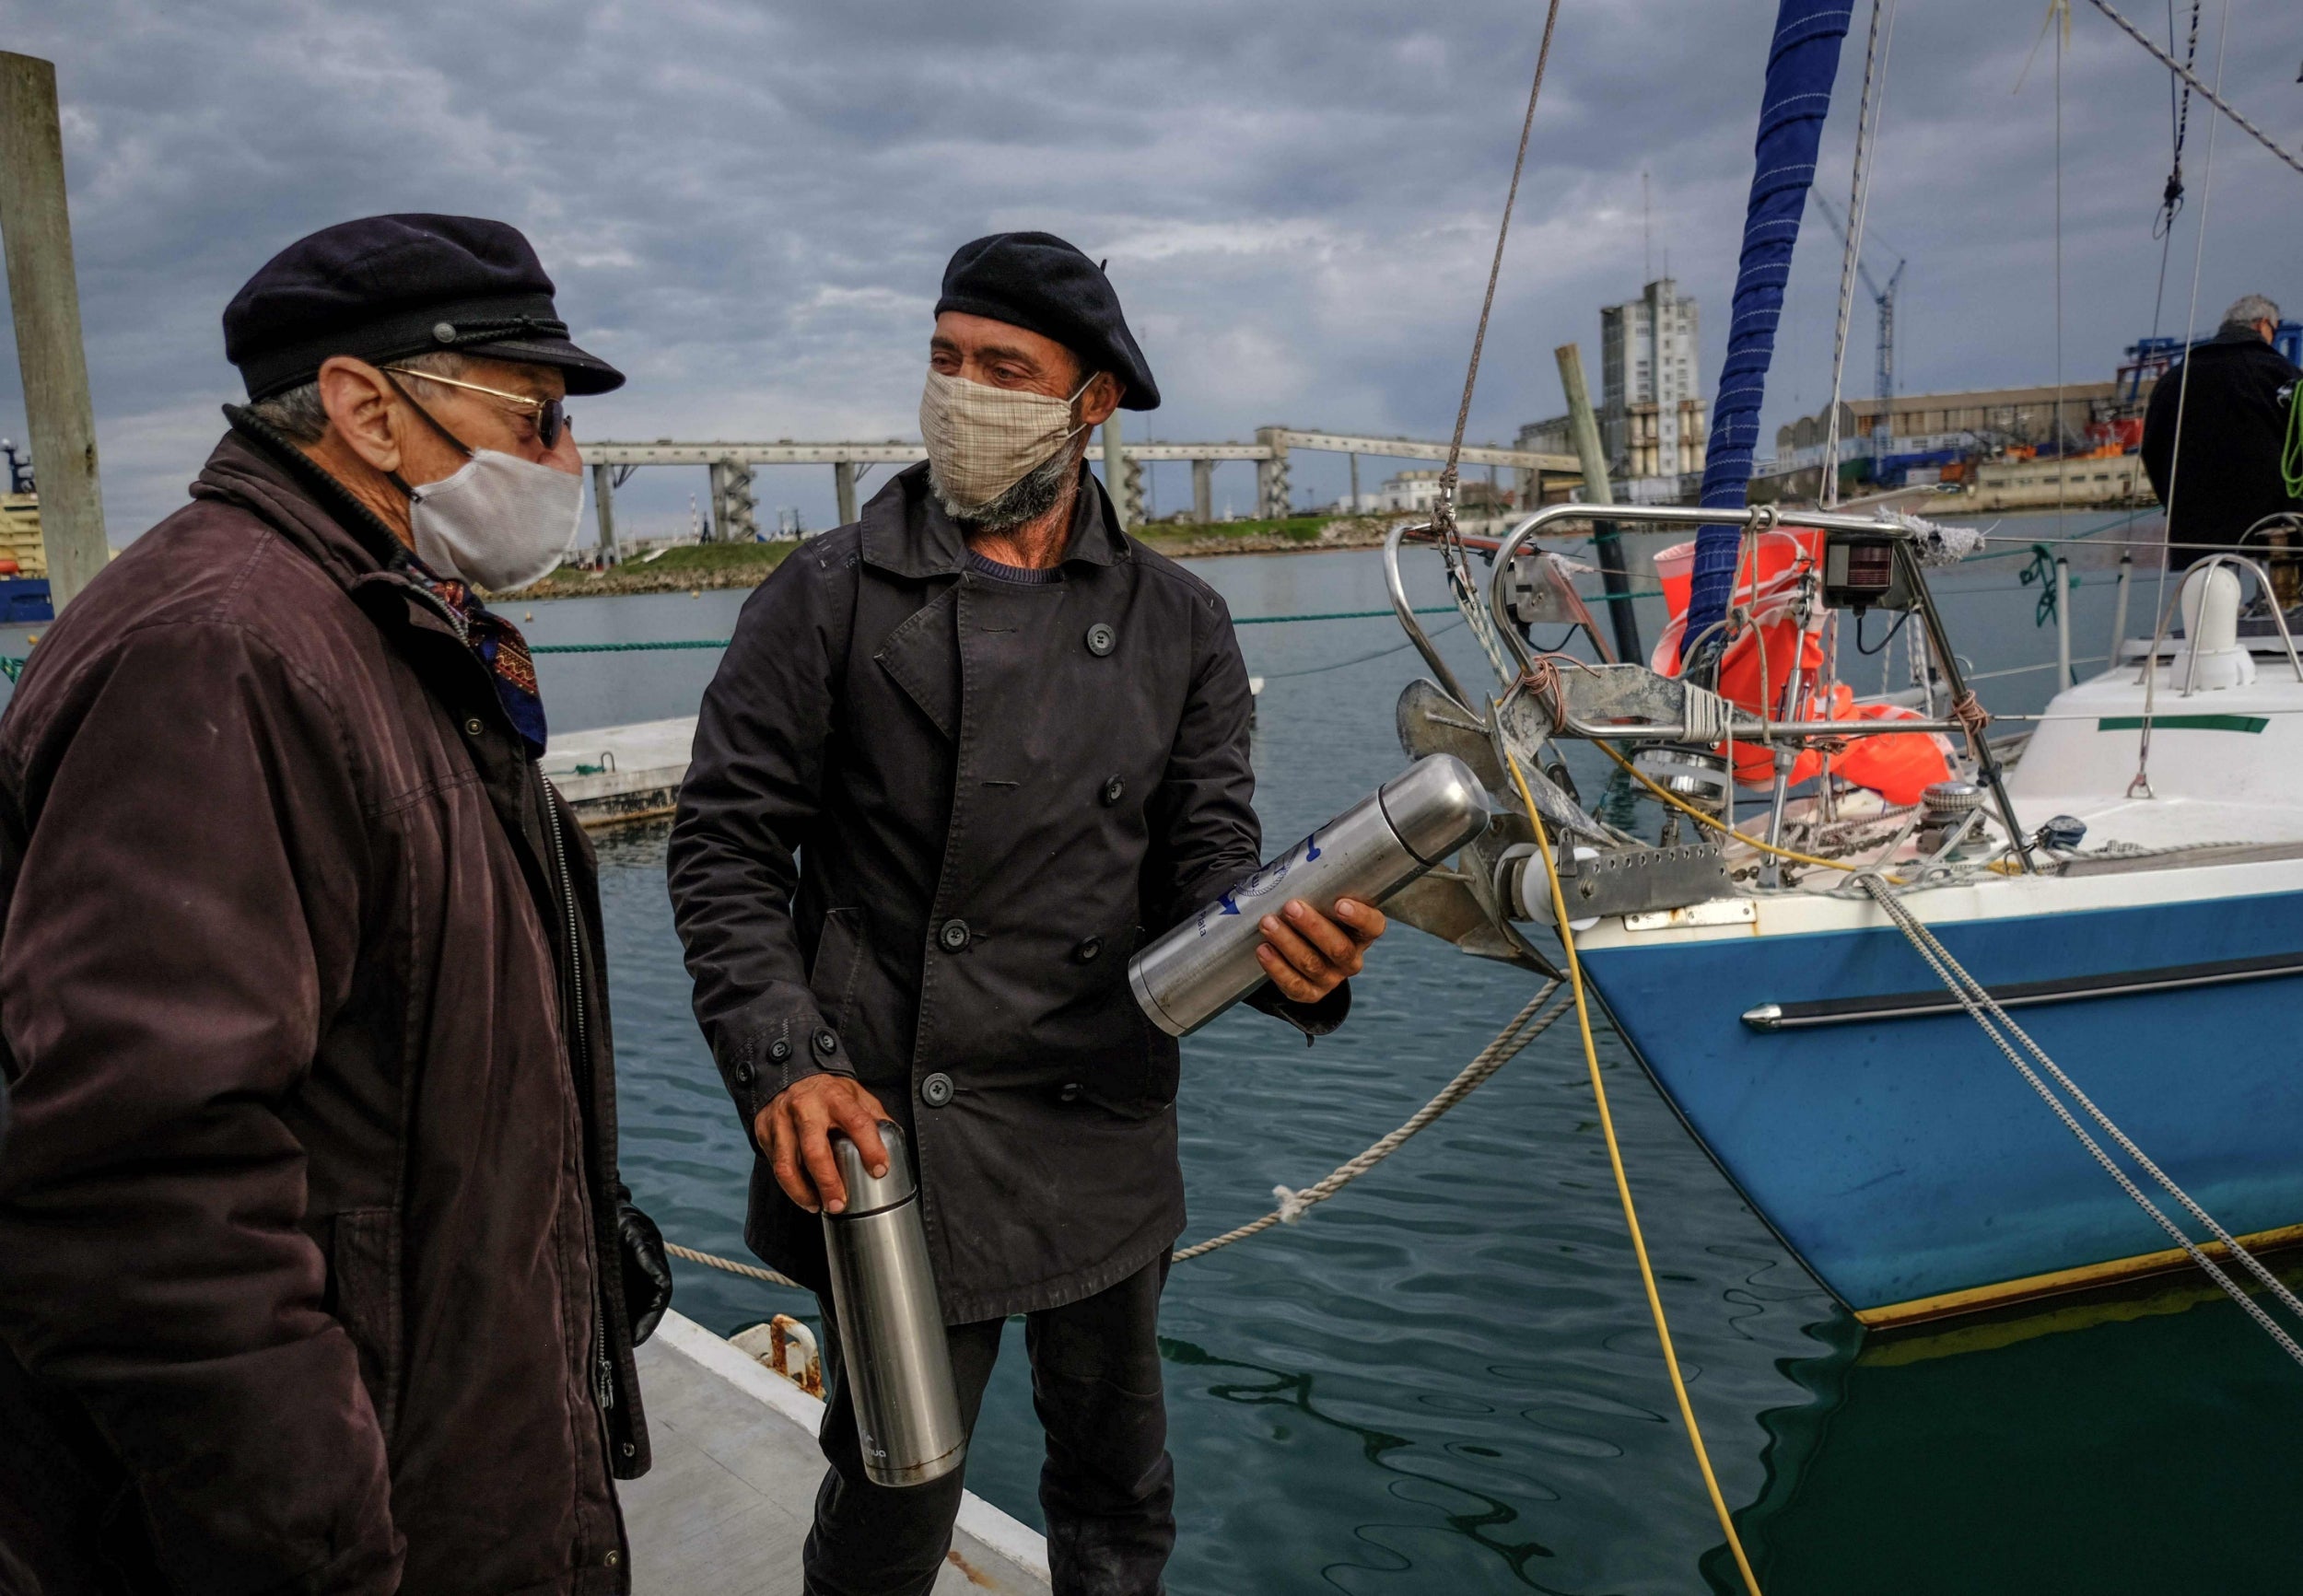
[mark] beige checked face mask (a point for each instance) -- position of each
(983, 440)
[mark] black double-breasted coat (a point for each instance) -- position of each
(929, 815)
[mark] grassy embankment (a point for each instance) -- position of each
(699, 565)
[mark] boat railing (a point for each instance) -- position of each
(2216, 562)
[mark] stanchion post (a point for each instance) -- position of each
(2063, 623)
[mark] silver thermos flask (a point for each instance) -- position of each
(1367, 853)
(892, 1350)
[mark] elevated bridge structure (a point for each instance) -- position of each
(732, 466)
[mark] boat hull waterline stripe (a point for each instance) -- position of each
(1922, 1310)
(2020, 994)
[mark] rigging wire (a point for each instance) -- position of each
(2178, 117)
(2211, 95)
(2139, 786)
(1623, 1183)
(1858, 203)
(1459, 576)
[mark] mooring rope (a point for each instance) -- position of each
(1623, 1181)
(1985, 1010)
(713, 1260)
(1524, 1029)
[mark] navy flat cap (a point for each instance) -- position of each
(383, 288)
(1039, 282)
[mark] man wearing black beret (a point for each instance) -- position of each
(960, 758)
(315, 1270)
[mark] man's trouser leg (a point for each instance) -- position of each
(1108, 1487)
(872, 1539)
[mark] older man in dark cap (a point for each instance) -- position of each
(960, 758)
(315, 1270)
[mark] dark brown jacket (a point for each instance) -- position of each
(929, 816)
(304, 1204)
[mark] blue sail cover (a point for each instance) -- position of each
(1801, 65)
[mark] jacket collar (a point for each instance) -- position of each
(257, 468)
(905, 532)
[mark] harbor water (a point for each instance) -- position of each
(1445, 1380)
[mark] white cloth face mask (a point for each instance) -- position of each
(983, 440)
(499, 523)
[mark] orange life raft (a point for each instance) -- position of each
(1762, 660)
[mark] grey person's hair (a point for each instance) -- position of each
(2250, 308)
(1027, 498)
(298, 413)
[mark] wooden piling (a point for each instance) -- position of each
(36, 231)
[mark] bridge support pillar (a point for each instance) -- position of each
(732, 503)
(603, 506)
(1271, 474)
(1203, 491)
(844, 487)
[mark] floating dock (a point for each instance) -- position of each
(726, 1507)
(613, 774)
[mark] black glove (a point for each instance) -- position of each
(646, 1272)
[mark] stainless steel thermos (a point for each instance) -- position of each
(1367, 853)
(893, 1354)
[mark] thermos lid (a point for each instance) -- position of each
(1435, 806)
(866, 1195)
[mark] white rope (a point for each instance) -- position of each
(1979, 1003)
(1704, 715)
(1524, 1029)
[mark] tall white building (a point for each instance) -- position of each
(1653, 417)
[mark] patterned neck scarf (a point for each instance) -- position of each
(500, 647)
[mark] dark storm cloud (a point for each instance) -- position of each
(747, 206)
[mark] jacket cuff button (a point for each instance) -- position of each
(936, 1090)
(779, 1050)
(827, 1043)
(743, 1074)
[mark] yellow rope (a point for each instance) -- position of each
(1675, 801)
(1623, 1182)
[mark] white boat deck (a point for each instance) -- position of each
(726, 1507)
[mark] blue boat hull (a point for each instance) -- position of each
(1906, 1161)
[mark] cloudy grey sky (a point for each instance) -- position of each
(747, 202)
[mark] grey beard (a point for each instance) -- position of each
(1029, 496)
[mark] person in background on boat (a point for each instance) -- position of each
(962, 758)
(2235, 418)
(315, 1270)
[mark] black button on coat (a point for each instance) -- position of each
(894, 743)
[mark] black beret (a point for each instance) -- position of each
(386, 287)
(1037, 282)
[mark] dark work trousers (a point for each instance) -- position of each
(1107, 1488)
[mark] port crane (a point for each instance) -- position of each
(1883, 295)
